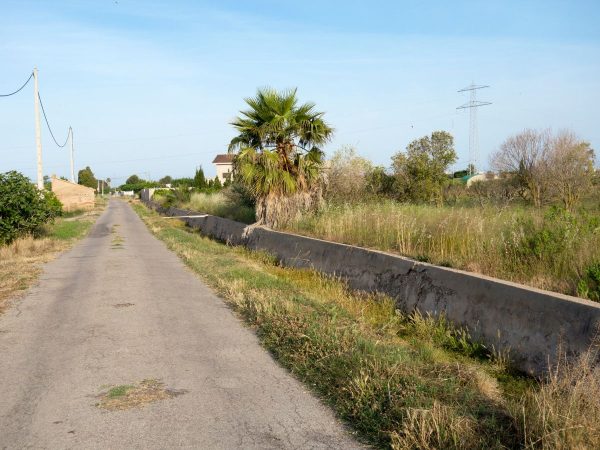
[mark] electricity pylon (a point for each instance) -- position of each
(472, 106)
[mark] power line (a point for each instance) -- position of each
(48, 124)
(18, 90)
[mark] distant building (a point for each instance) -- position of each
(73, 196)
(224, 165)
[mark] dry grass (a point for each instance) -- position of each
(438, 427)
(564, 413)
(134, 396)
(20, 264)
(525, 245)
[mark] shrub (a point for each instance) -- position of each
(23, 208)
(172, 197)
(218, 204)
(589, 285)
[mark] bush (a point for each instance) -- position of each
(23, 208)
(218, 204)
(172, 197)
(589, 285)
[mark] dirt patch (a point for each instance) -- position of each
(135, 396)
(123, 305)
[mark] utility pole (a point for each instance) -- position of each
(38, 129)
(472, 106)
(72, 164)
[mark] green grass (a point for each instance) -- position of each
(119, 391)
(403, 381)
(68, 229)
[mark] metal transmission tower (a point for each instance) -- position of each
(472, 106)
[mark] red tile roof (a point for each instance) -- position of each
(223, 159)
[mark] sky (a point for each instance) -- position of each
(151, 87)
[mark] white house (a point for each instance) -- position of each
(224, 165)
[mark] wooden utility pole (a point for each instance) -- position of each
(38, 129)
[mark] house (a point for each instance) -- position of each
(224, 165)
(73, 196)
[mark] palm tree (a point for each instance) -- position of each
(279, 157)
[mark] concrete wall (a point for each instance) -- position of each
(73, 196)
(527, 322)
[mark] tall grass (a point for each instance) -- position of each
(218, 204)
(545, 249)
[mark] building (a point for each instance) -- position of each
(224, 165)
(73, 196)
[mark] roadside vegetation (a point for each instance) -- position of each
(33, 230)
(548, 248)
(534, 219)
(401, 381)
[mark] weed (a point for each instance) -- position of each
(128, 396)
(589, 285)
(119, 391)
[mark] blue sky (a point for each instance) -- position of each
(150, 87)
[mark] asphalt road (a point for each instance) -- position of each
(120, 308)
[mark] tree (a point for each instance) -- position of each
(347, 175)
(23, 208)
(200, 179)
(167, 179)
(187, 182)
(527, 155)
(86, 177)
(278, 156)
(571, 168)
(421, 171)
(379, 182)
(217, 183)
(133, 179)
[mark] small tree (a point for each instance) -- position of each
(217, 183)
(279, 157)
(86, 177)
(347, 175)
(199, 179)
(421, 171)
(571, 168)
(527, 155)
